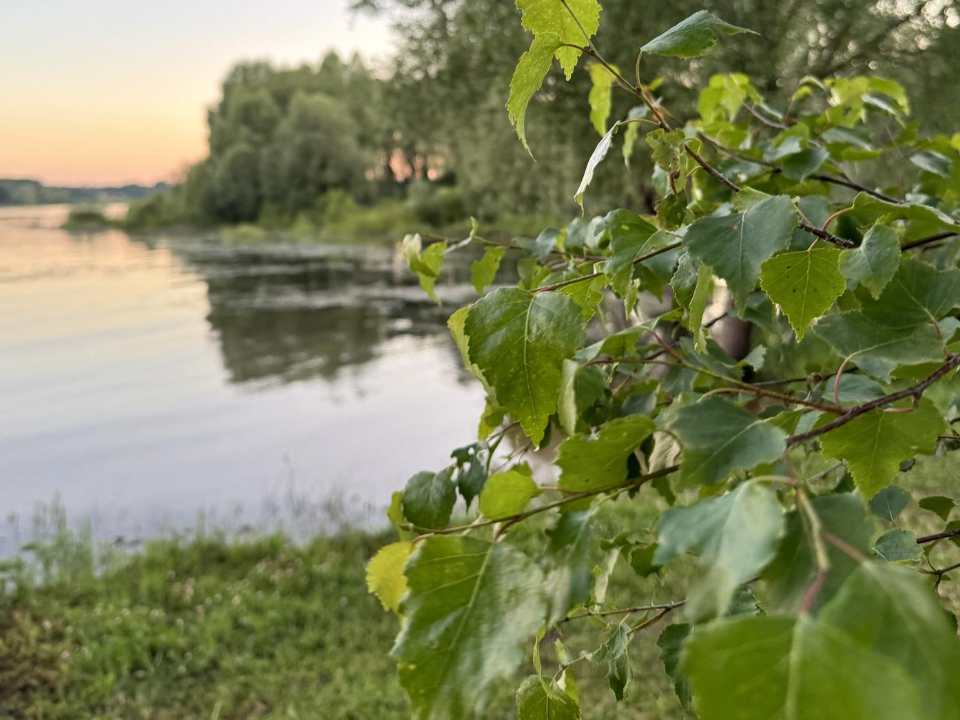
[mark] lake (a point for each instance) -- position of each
(147, 380)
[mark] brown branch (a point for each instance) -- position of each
(926, 241)
(824, 235)
(581, 278)
(938, 536)
(914, 391)
(629, 484)
(627, 611)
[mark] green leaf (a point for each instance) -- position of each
(551, 16)
(630, 236)
(615, 654)
(735, 246)
(734, 537)
(600, 97)
(719, 437)
(800, 165)
(641, 560)
(425, 263)
(600, 460)
(541, 699)
(469, 610)
(571, 548)
(896, 615)
(766, 668)
(917, 294)
(580, 387)
(889, 503)
(938, 504)
(671, 642)
(528, 77)
(519, 341)
(428, 499)
(633, 131)
(932, 162)
(667, 148)
(585, 294)
(875, 349)
(702, 295)
(484, 270)
(804, 284)
(794, 569)
(898, 545)
(875, 262)
(395, 516)
(923, 219)
(874, 444)
(508, 493)
(385, 577)
(596, 157)
(692, 37)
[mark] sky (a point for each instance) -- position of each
(109, 92)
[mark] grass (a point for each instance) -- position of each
(210, 627)
(207, 627)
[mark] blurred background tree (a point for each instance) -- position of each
(434, 113)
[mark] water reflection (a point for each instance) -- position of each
(287, 313)
(143, 381)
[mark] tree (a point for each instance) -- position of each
(457, 56)
(315, 151)
(236, 184)
(778, 472)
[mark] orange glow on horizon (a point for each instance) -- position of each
(97, 97)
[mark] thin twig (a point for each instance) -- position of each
(572, 497)
(914, 391)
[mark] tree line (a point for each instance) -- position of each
(427, 125)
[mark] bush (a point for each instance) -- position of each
(437, 206)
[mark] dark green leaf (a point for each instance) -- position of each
(766, 668)
(428, 499)
(615, 654)
(895, 614)
(719, 437)
(735, 246)
(875, 262)
(671, 643)
(898, 545)
(691, 37)
(876, 349)
(541, 699)
(938, 504)
(734, 537)
(794, 568)
(889, 502)
(484, 270)
(600, 460)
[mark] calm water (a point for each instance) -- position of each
(144, 381)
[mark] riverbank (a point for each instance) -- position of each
(385, 221)
(208, 627)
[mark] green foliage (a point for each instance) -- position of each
(690, 38)
(755, 445)
(469, 607)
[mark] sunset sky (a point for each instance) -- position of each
(106, 92)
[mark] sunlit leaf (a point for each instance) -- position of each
(519, 341)
(470, 607)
